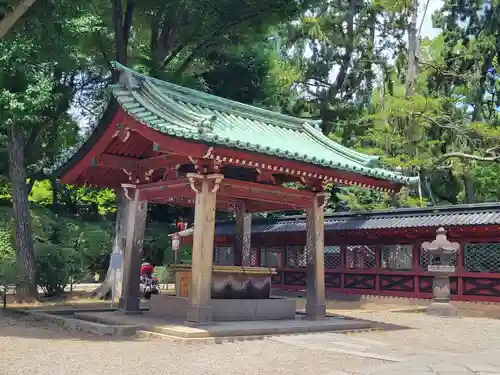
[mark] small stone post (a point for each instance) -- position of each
(441, 252)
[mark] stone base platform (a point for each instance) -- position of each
(174, 328)
(224, 310)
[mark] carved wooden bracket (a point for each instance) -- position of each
(265, 177)
(148, 174)
(323, 199)
(196, 180)
(315, 185)
(204, 166)
(132, 175)
(122, 133)
(127, 188)
(171, 173)
(208, 153)
(129, 174)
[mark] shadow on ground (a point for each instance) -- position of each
(15, 323)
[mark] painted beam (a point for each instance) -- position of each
(304, 170)
(116, 162)
(163, 161)
(254, 192)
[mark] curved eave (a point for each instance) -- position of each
(137, 111)
(365, 160)
(215, 102)
(69, 161)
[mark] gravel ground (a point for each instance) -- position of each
(32, 348)
(38, 348)
(457, 335)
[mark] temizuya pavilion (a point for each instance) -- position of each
(163, 143)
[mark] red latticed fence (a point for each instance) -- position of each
(396, 268)
(391, 270)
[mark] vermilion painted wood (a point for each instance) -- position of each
(117, 162)
(86, 161)
(115, 170)
(233, 189)
(165, 143)
(273, 161)
(479, 234)
(163, 161)
(120, 145)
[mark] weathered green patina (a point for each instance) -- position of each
(192, 115)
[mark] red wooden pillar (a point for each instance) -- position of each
(282, 262)
(460, 269)
(416, 265)
(343, 249)
(378, 266)
(280, 257)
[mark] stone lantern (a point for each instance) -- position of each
(441, 252)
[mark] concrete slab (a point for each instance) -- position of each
(337, 343)
(92, 327)
(481, 367)
(176, 328)
(360, 347)
(449, 367)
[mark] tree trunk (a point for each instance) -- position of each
(25, 253)
(470, 193)
(104, 290)
(11, 18)
(413, 49)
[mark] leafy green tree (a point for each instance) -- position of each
(8, 278)
(181, 34)
(253, 74)
(39, 76)
(339, 47)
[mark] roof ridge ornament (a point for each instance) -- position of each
(206, 125)
(128, 80)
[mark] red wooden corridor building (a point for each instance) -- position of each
(378, 253)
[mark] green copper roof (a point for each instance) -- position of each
(190, 114)
(197, 116)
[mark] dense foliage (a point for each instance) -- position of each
(345, 62)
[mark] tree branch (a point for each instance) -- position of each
(100, 46)
(51, 114)
(220, 31)
(463, 155)
(127, 22)
(11, 18)
(462, 131)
